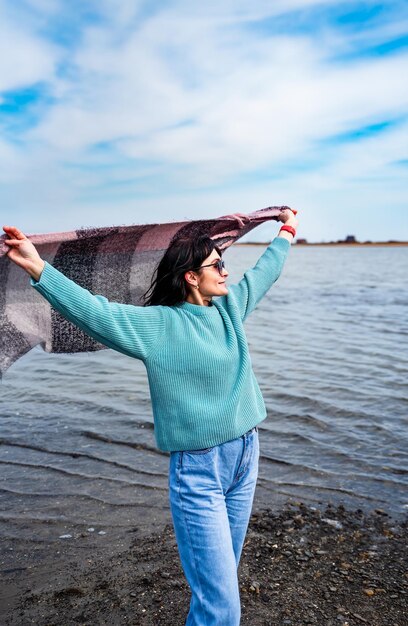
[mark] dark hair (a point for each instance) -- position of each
(168, 285)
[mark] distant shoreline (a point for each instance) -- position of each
(356, 244)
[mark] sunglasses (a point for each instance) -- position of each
(219, 265)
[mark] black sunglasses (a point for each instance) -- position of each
(219, 265)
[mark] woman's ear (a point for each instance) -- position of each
(190, 278)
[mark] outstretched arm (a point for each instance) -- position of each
(132, 330)
(258, 280)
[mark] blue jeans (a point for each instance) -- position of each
(211, 495)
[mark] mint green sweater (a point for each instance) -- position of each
(202, 385)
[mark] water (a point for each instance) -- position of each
(328, 345)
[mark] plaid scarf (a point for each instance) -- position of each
(117, 262)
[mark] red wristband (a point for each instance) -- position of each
(289, 229)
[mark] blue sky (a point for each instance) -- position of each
(136, 111)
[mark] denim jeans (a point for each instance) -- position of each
(211, 494)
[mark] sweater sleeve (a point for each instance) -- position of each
(259, 279)
(132, 330)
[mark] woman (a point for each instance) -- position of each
(205, 398)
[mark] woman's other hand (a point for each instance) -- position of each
(289, 218)
(23, 252)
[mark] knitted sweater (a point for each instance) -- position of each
(202, 385)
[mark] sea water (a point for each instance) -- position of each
(329, 349)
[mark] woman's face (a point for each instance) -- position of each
(210, 281)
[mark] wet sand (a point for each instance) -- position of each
(301, 565)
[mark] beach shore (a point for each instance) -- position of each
(302, 565)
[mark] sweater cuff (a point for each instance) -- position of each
(47, 270)
(282, 243)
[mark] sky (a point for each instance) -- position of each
(149, 111)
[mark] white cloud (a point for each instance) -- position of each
(24, 59)
(205, 100)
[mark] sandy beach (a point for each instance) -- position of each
(303, 565)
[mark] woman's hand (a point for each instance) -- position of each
(23, 252)
(288, 217)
